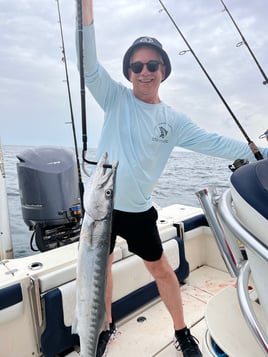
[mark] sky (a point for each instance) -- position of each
(34, 103)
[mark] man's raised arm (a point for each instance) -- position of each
(87, 11)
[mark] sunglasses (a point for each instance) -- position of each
(152, 66)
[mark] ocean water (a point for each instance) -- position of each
(185, 173)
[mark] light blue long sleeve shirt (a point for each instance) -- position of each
(141, 136)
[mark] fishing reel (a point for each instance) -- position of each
(237, 163)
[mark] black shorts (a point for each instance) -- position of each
(140, 231)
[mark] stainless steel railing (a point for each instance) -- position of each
(227, 230)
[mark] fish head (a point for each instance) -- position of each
(100, 190)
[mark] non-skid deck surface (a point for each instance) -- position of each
(229, 332)
(153, 336)
(149, 332)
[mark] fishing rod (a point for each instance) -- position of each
(82, 85)
(251, 144)
(81, 185)
(244, 41)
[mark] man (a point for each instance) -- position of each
(140, 131)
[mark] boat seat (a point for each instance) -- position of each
(251, 183)
(11, 303)
(9, 296)
(57, 336)
(195, 222)
(249, 190)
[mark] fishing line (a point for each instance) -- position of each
(82, 86)
(64, 59)
(251, 144)
(244, 41)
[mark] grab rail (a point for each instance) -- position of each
(219, 211)
(216, 227)
(247, 309)
(237, 228)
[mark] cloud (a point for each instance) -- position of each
(34, 96)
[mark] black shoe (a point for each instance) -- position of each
(187, 344)
(104, 339)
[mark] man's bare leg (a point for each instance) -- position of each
(169, 289)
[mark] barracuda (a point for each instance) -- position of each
(93, 256)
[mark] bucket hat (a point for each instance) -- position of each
(148, 41)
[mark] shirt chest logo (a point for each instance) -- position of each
(162, 132)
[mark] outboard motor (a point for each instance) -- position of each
(49, 192)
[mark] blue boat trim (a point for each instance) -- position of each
(57, 337)
(10, 296)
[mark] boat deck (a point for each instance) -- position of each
(148, 332)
